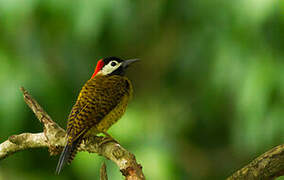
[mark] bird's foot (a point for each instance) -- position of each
(108, 138)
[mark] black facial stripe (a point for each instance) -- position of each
(118, 71)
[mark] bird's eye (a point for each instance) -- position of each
(113, 63)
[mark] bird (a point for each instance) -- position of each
(101, 102)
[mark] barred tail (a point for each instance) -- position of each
(68, 154)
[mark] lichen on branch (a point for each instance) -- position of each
(54, 138)
(267, 166)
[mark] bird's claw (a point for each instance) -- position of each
(107, 139)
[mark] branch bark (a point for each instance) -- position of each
(267, 166)
(54, 138)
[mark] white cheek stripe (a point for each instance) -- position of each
(108, 69)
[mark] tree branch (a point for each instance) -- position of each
(54, 137)
(267, 166)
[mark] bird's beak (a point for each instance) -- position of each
(126, 63)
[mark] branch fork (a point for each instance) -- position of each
(267, 166)
(54, 138)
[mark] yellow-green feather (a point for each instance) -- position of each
(99, 97)
(101, 102)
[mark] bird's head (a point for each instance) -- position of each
(112, 66)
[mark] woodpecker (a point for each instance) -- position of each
(101, 103)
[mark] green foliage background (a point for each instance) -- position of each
(209, 91)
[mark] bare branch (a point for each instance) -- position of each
(21, 142)
(54, 137)
(267, 166)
